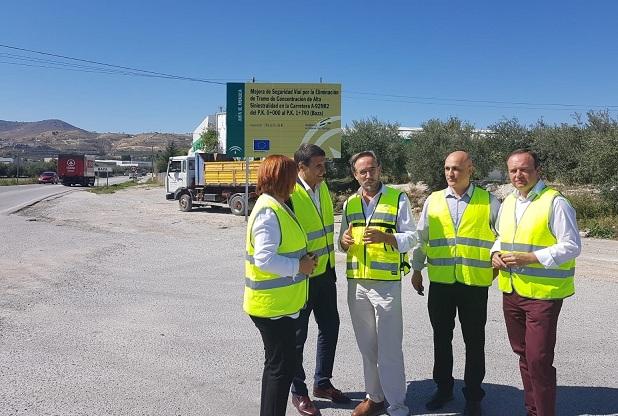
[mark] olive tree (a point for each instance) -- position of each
(383, 139)
(428, 149)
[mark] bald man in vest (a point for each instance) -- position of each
(536, 249)
(455, 234)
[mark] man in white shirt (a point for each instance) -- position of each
(538, 241)
(313, 207)
(456, 231)
(377, 231)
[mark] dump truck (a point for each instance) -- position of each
(76, 169)
(196, 180)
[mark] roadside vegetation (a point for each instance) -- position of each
(14, 181)
(112, 188)
(120, 186)
(596, 215)
(579, 157)
(27, 171)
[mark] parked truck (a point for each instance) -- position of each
(76, 169)
(195, 181)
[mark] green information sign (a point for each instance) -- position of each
(264, 119)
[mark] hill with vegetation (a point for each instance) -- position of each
(48, 138)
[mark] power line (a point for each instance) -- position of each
(111, 69)
(467, 105)
(64, 65)
(97, 71)
(160, 74)
(466, 100)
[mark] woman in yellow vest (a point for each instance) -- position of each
(277, 266)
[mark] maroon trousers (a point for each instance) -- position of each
(531, 325)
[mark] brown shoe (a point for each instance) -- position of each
(369, 408)
(330, 393)
(305, 406)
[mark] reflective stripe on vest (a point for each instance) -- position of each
(320, 227)
(377, 261)
(533, 233)
(268, 295)
(461, 254)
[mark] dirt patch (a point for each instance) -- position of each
(141, 209)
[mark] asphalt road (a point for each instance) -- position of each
(122, 305)
(16, 197)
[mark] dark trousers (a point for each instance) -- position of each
(470, 303)
(323, 302)
(531, 325)
(278, 336)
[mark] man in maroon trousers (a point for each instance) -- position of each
(535, 252)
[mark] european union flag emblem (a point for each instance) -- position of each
(261, 145)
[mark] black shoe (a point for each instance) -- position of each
(438, 400)
(472, 408)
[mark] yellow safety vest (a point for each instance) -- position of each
(319, 226)
(531, 234)
(376, 261)
(268, 295)
(461, 255)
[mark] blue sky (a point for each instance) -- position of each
(400, 61)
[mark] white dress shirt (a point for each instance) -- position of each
(405, 228)
(315, 196)
(562, 224)
(266, 239)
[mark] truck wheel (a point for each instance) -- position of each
(237, 204)
(185, 202)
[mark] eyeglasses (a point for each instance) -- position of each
(371, 170)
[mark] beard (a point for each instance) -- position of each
(371, 187)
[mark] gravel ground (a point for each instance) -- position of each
(122, 305)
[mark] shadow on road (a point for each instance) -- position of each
(501, 400)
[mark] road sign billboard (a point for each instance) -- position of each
(277, 118)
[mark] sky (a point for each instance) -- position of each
(403, 62)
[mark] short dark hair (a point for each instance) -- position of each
(306, 151)
(276, 176)
(535, 157)
(366, 153)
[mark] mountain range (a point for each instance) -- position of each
(48, 138)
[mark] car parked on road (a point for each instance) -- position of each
(48, 177)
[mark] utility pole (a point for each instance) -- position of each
(152, 154)
(152, 161)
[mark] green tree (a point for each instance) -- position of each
(598, 159)
(507, 135)
(27, 168)
(170, 150)
(559, 149)
(428, 149)
(381, 137)
(208, 142)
